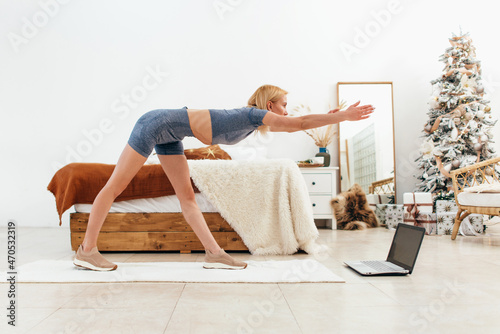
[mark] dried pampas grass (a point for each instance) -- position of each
(322, 136)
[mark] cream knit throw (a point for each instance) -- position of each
(265, 202)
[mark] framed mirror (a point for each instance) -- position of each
(366, 148)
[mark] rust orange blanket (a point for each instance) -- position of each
(81, 182)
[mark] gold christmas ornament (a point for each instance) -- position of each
(487, 108)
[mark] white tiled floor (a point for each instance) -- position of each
(454, 289)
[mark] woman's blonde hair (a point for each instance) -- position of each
(262, 95)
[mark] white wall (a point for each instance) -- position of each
(70, 69)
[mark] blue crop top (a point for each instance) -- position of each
(230, 126)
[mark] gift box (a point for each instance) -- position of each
(380, 210)
(374, 199)
(444, 222)
(471, 225)
(425, 220)
(446, 212)
(394, 214)
(418, 202)
(418, 211)
(446, 206)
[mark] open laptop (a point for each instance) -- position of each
(402, 255)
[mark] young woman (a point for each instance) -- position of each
(164, 130)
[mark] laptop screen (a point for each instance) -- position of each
(405, 245)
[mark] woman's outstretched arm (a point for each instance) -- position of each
(291, 124)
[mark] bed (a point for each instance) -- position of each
(146, 216)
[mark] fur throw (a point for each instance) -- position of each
(265, 202)
(352, 211)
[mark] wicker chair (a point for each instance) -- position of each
(381, 192)
(385, 186)
(481, 173)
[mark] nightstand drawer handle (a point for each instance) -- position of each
(314, 204)
(314, 183)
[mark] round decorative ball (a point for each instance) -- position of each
(447, 167)
(487, 108)
(428, 128)
(484, 138)
(433, 103)
(478, 147)
(480, 89)
(480, 114)
(455, 163)
(468, 116)
(425, 175)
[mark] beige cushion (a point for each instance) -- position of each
(479, 199)
(484, 188)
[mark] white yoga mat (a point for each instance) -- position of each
(293, 271)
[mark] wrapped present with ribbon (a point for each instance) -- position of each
(425, 220)
(418, 202)
(374, 199)
(394, 214)
(418, 211)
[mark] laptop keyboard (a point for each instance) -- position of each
(379, 266)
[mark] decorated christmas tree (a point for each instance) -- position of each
(459, 130)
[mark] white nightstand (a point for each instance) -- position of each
(322, 185)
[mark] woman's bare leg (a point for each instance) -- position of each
(177, 170)
(126, 168)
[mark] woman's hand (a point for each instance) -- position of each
(333, 111)
(356, 112)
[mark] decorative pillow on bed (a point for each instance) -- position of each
(213, 152)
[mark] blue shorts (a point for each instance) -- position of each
(161, 129)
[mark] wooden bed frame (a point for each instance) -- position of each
(153, 232)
